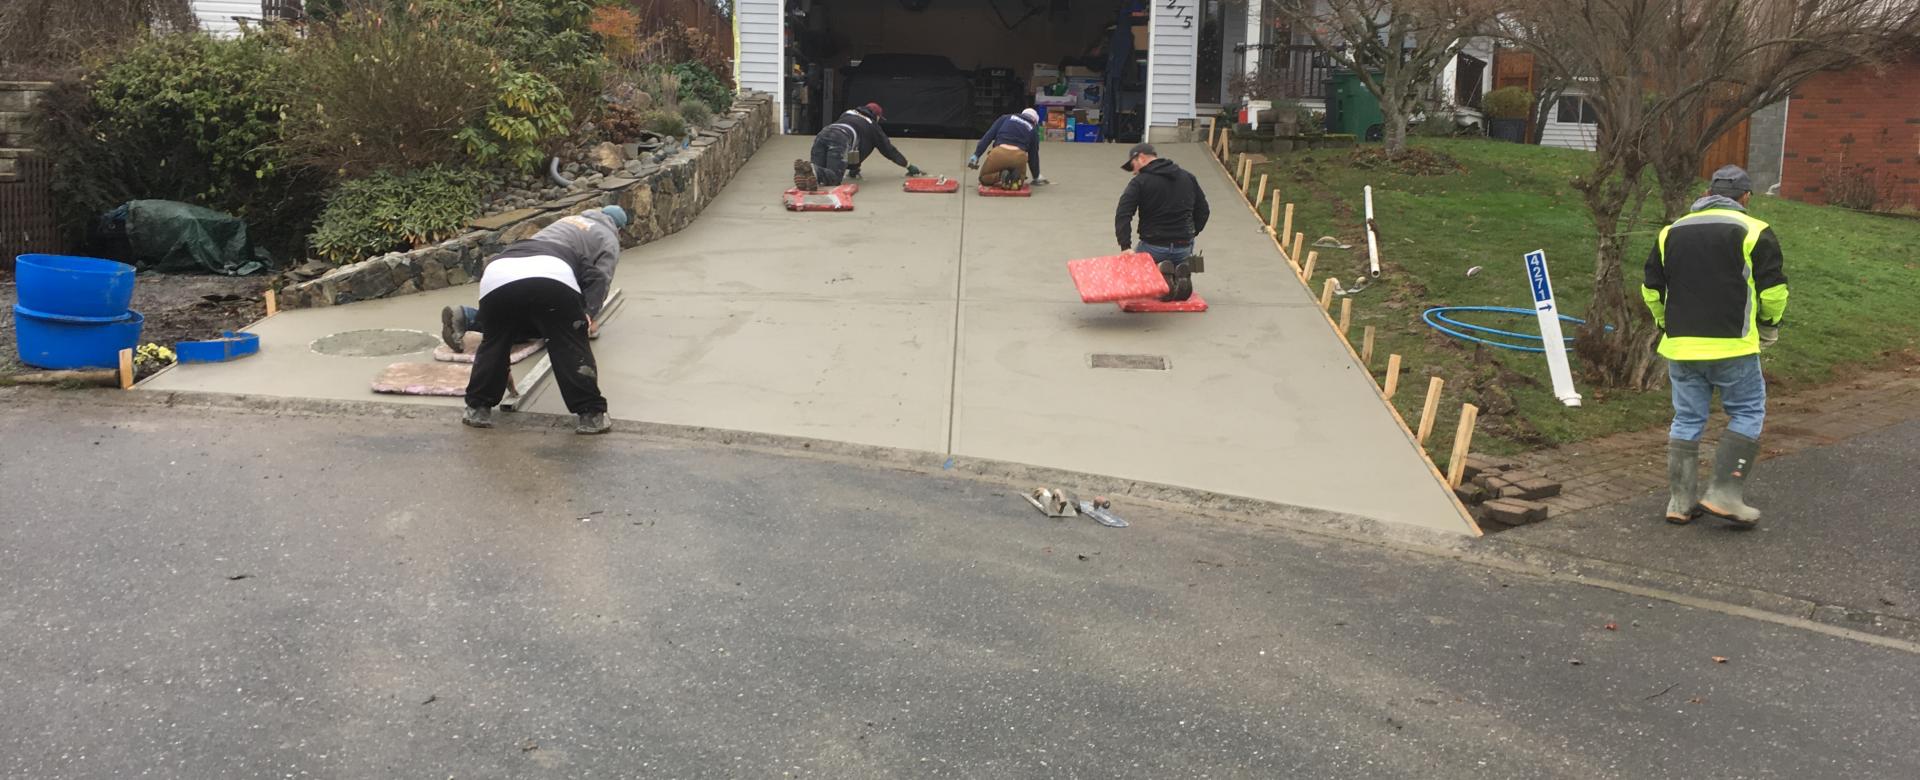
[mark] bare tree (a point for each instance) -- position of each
(1667, 78)
(1396, 47)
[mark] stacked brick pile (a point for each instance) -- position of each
(1502, 495)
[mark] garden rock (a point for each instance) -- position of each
(605, 157)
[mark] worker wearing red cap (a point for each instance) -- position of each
(840, 147)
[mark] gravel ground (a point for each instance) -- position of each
(176, 308)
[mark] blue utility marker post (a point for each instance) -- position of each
(1550, 337)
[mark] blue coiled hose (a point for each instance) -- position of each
(1438, 319)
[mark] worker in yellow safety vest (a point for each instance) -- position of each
(1717, 290)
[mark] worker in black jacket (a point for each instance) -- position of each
(1172, 211)
(840, 148)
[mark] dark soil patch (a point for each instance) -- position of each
(177, 308)
(1415, 161)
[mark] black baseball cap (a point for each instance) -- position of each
(1136, 151)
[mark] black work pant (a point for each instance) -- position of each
(830, 158)
(529, 309)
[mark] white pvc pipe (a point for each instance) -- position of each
(1373, 245)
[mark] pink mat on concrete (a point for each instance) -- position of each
(444, 379)
(1193, 303)
(1124, 277)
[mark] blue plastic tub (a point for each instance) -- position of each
(64, 286)
(52, 341)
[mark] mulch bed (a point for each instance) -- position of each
(177, 308)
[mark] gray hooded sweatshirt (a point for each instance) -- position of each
(589, 244)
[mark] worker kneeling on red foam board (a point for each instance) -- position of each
(1010, 148)
(1173, 210)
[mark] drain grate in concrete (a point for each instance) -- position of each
(1129, 362)
(374, 343)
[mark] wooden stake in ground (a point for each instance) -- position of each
(1326, 293)
(1393, 376)
(1213, 134)
(1299, 245)
(1306, 271)
(273, 302)
(1366, 347)
(1286, 229)
(126, 369)
(1428, 412)
(1462, 443)
(1346, 315)
(1273, 215)
(1261, 197)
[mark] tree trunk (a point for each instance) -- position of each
(1395, 136)
(1616, 348)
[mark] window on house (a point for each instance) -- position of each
(1576, 111)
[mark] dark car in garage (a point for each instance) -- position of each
(922, 94)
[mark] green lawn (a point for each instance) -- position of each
(1855, 280)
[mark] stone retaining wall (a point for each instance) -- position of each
(662, 201)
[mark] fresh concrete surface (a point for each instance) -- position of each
(1838, 529)
(287, 365)
(203, 594)
(947, 323)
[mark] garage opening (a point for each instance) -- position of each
(948, 68)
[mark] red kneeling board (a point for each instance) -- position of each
(1114, 278)
(931, 184)
(996, 192)
(837, 199)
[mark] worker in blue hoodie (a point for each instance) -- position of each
(1010, 145)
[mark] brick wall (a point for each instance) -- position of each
(1866, 119)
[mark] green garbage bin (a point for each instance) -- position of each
(1351, 109)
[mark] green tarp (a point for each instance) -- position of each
(170, 237)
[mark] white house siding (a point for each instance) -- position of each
(760, 51)
(216, 16)
(1172, 49)
(1567, 135)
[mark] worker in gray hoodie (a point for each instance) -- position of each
(551, 286)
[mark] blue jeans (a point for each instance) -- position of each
(1166, 254)
(1743, 394)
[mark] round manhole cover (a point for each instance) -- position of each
(374, 343)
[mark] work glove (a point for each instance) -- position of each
(914, 170)
(973, 162)
(1768, 335)
(1039, 181)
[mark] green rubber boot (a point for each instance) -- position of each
(1683, 480)
(1731, 467)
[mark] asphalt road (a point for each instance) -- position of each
(213, 594)
(1837, 528)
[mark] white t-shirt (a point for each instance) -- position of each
(513, 269)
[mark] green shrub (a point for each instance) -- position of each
(664, 123)
(699, 83)
(696, 113)
(387, 212)
(529, 114)
(378, 91)
(1436, 124)
(1508, 103)
(180, 117)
